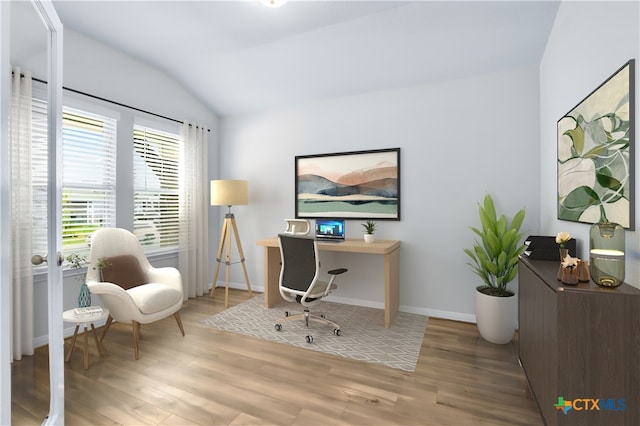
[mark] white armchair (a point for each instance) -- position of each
(130, 287)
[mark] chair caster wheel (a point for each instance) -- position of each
(321, 315)
(278, 327)
(309, 339)
(286, 313)
(337, 331)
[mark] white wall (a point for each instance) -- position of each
(94, 68)
(458, 139)
(588, 43)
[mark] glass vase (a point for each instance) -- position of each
(569, 276)
(606, 242)
(583, 271)
(564, 252)
(84, 297)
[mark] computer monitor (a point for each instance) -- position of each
(330, 229)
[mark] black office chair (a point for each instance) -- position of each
(299, 280)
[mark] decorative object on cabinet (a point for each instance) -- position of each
(596, 152)
(495, 261)
(606, 251)
(578, 342)
(583, 271)
(569, 267)
(562, 239)
(348, 185)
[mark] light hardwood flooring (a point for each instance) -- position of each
(210, 377)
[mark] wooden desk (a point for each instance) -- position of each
(389, 249)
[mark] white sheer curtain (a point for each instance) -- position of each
(21, 215)
(194, 224)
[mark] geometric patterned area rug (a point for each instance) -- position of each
(363, 336)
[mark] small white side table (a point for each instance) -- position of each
(87, 320)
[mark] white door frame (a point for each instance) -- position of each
(54, 217)
(5, 223)
(53, 25)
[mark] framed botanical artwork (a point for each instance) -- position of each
(348, 185)
(596, 154)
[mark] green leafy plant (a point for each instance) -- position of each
(369, 227)
(77, 261)
(102, 263)
(495, 255)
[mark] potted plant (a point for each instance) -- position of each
(495, 261)
(77, 261)
(102, 263)
(369, 228)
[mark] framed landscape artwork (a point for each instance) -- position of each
(596, 154)
(348, 185)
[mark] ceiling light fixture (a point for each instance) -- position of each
(273, 3)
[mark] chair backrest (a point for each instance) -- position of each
(112, 242)
(300, 264)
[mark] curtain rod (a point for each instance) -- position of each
(115, 103)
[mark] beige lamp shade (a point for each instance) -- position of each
(229, 192)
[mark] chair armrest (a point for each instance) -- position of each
(167, 275)
(331, 284)
(111, 292)
(96, 287)
(120, 303)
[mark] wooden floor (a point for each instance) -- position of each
(210, 377)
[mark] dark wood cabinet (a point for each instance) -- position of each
(580, 343)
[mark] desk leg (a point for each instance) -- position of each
(271, 276)
(73, 343)
(391, 286)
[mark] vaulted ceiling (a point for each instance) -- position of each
(240, 57)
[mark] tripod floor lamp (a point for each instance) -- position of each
(229, 193)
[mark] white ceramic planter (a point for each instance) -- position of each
(369, 238)
(496, 317)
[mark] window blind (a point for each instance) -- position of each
(156, 158)
(88, 176)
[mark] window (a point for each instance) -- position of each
(156, 159)
(88, 176)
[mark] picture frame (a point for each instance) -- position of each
(348, 185)
(596, 159)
